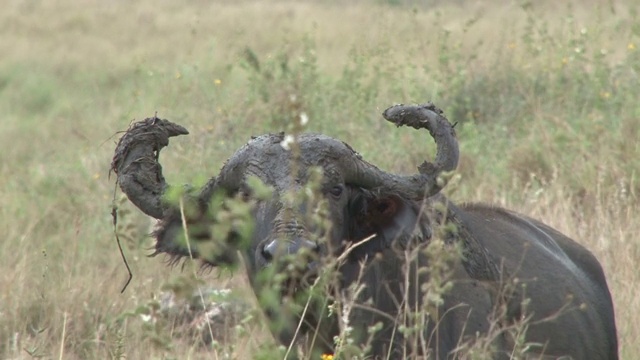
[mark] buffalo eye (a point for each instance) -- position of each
(245, 192)
(336, 190)
(245, 196)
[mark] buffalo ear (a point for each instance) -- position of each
(393, 219)
(382, 210)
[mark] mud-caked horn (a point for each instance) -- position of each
(428, 181)
(136, 165)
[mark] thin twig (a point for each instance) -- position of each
(64, 331)
(114, 215)
(183, 219)
(352, 247)
(304, 312)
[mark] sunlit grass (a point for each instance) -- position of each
(546, 96)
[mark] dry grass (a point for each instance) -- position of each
(73, 73)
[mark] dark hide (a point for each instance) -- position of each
(506, 257)
(558, 273)
(571, 309)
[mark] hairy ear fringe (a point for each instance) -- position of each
(395, 221)
(171, 240)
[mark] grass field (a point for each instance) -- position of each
(545, 93)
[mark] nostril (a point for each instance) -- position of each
(311, 245)
(266, 255)
(269, 250)
(273, 248)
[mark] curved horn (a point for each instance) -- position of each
(136, 165)
(426, 182)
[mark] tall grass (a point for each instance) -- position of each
(545, 95)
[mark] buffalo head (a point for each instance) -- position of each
(361, 199)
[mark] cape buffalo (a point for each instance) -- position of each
(518, 288)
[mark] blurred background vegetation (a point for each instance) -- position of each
(545, 94)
